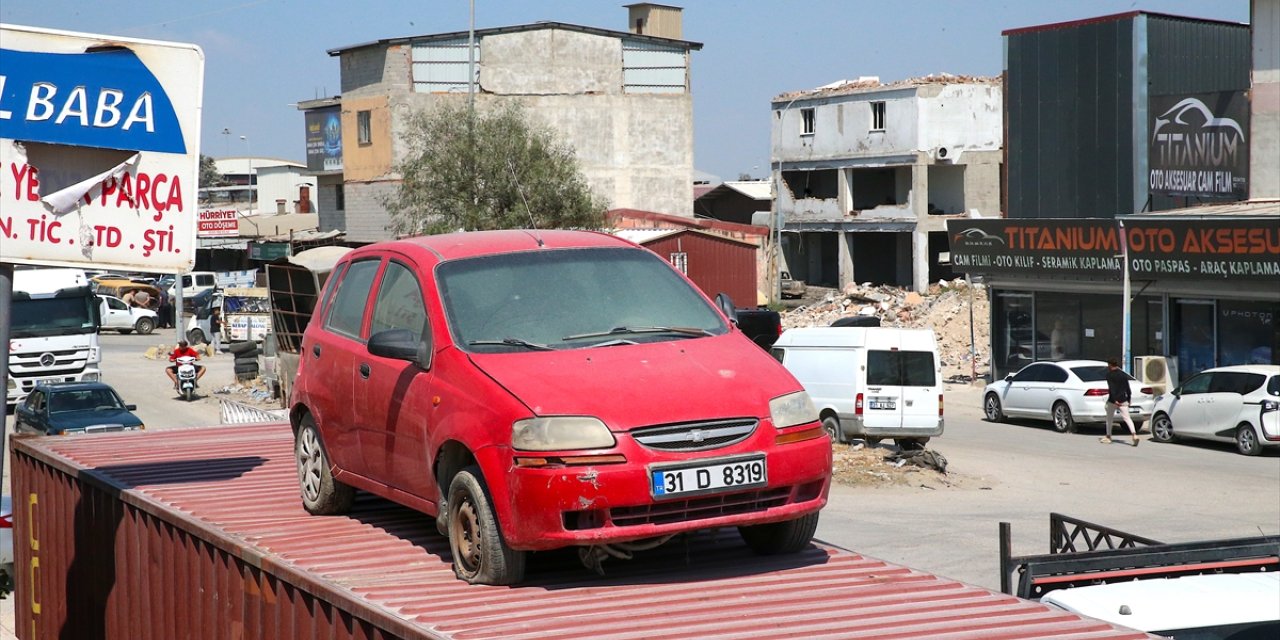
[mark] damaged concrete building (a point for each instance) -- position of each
(868, 172)
(621, 99)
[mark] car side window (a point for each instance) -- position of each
(778, 354)
(1235, 382)
(1053, 374)
(1030, 374)
(35, 401)
(1273, 386)
(346, 316)
(1198, 384)
(399, 303)
(116, 304)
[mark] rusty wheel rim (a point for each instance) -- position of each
(465, 535)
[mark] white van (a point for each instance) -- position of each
(869, 382)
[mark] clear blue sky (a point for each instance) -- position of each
(264, 55)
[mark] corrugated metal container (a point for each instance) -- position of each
(1076, 106)
(198, 533)
(714, 263)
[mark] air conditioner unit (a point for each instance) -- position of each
(944, 154)
(1153, 371)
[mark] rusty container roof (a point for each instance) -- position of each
(230, 494)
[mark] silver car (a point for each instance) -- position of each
(1239, 404)
(1067, 392)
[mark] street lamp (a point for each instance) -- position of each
(775, 220)
(226, 142)
(248, 156)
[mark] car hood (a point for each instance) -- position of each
(645, 384)
(90, 418)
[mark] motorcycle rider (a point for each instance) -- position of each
(183, 349)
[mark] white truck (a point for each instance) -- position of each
(54, 330)
(118, 316)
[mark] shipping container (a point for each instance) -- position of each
(200, 533)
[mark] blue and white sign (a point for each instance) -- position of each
(99, 150)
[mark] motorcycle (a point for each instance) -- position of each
(187, 377)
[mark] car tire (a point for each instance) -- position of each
(247, 360)
(480, 556)
(774, 538)
(1162, 428)
(1063, 422)
(321, 494)
(991, 408)
(145, 326)
(1247, 440)
(188, 394)
(195, 336)
(831, 425)
(242, 348)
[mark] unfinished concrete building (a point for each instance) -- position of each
(867, 173)
(621, 99)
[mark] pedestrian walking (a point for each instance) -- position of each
(215, 327)
(1118, 397)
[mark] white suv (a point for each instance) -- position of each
(1238, 404)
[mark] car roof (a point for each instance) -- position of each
(72, 386)
(1187, 602)
(1264, 369)
(452, 246)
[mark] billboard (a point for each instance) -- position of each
(1160, 248)
(218, 223)
(99, 150)
(324, 139)
(1199, 146)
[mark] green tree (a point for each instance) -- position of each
(209, 176)
(494, 169)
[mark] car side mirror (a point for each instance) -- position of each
(401, 344)
(1008, 378)
(726, 305)
(131, 407)
(1177, 392)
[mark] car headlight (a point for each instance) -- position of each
(559, 433)
(91, 376)
(1270, 405)
(792, 409)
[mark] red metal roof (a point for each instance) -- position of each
(236, 488)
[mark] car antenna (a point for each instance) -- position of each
(520, 190)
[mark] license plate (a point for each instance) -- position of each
(1135, 410)
(882, 403)
(742, 473)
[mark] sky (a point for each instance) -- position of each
(264, 56)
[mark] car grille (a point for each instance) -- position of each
(700, 508)
(695, 436)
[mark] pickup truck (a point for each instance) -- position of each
(762, 325)
(792, 288)
(118, 316)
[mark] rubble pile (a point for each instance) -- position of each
(943, 308)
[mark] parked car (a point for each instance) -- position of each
(61, 408)
(792, 288)
(536, 390)
(1068, 393)
(118, 316)
(1238, 404)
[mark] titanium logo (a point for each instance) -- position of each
(1208, 141)
(976, 236)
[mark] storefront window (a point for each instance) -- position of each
(1011, 334)
(1148, 327)
(1057, 326)
(1248, 333)
(1102, 318)
(1193, 342)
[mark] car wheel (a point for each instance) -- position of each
(831, 425)
(1062, 420)
(1162, 428)
(788, 536)
(321, 494)
(145, 326)
(195, 336)
(991, 408)
(1247, 440)
(479, 554)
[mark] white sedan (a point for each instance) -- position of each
(1067, 392)
(1238, 404)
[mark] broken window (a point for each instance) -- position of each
(807, 116)
(871, 188)
(818, 183)
(364, 129)
(681, 262)
(877, 116)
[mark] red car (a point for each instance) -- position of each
(544, 389)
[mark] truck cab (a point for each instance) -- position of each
(53, 330)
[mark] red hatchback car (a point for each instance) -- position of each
(544, 389)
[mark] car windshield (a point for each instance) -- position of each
(83, 400)
(571, 299)
(1095, 373)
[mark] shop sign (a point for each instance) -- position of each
(1199, 146)
(1159, 248)
(218, 223)
(268, 250)
(324, 139)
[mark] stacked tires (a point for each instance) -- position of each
(246, 354)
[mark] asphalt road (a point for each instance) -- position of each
(1008, 472)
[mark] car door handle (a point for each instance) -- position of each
(315, 349)
(364, 370)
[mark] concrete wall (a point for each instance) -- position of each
(960, 117)
(331, 215)
(372, 160)
(1264, 135)
(366, 219)
(842, 127)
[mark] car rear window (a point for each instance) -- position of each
(1093, 373)
(901, 368)
(1236, 382)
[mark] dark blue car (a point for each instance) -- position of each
(63, 408)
